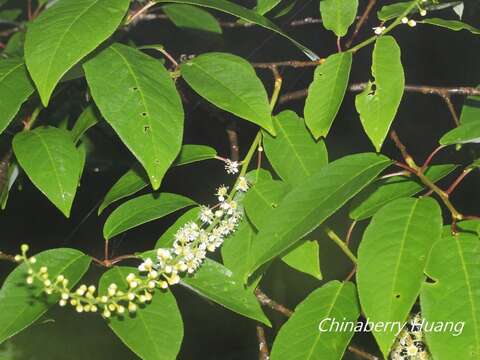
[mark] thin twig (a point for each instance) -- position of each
(363, 19)
(458, 180)
(341, 244)
(451, 108)
(288, 63)
(272, 304)
(136, 16)
(350, 232)
(263, 353)
(7, 257)
(361, 353)
(430, 157)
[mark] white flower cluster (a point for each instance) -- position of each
(191, 244)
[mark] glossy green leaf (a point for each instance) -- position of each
(463, 134)
(15, 89)
(88, 118)
(192, 18)
(230, 82)
(193, 153)
(380, 193)
(326, 92)
(52, 163)
(470, 110)
(15, 46)
(311, 203)
(300, 337)
(379, 102)
(294, 153)
(338, 15)
(305, 258)
(389, 12)
(168, 237)
(49, 53)
(451, 24)
(135, 179)
(244, 14)
(263, 197)
(9, 175)
(264, 6)
(9, 15)
(219, 284)
(391, 259)
(454, 265)
(141, 210)
(137, 97)
(155, 331)
(130, 183)
(18, 309)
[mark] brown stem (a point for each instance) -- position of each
(288, 63)
(430, 157)
(7, 257)
(458, 180)
(363, 19)
(169, 57)
(350, 232)
(361, 353)
(272, 304)
(137, 15)
(263, 353)
(339, 44)
(451, 108)
(351, 273)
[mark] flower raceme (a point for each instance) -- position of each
(191, 244)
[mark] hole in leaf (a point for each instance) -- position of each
(134, 88)
(397, 296)
(146, 128)
(429, 280)
(144, 114)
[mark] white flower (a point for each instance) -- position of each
(147, 265)
(231, 166)
(206, 215)
(423, 12)
(379, 30)
(242, 184)
(412, 23)
(221, 193)
(404, 20)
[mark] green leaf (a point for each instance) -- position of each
(193, 153)
(300, 338)
(49, 53)
(294, 153)
(305, 258)
(468, 132)
(244, 14)
(326, 92)
(264, 6)
(192, 18)
(380, 193)
(393, 11)
(471, 110)
(338, 15)
(263, 197)
(168, 237)
(308, 205)
(155, 331)
(135, 179)
(52, 163)
(454, 25)
(378, 106)
(21, 304)
(230, 82)
(11, 172)
(9, 15)
(15, 89)
(219, 284)
(391, 259)
(454, 297)
(137, 97)
(88, 118)
(141, 210)
(15, 46)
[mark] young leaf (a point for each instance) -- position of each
(154, 331)
(305, 258)
(141, 210)
(454, 297)
(247, 15)
(219, 284)
(391, 259)
(135, 179)
(454, 25)
(168, 237)
(312, 202)
(326, 92)
(52, 163)
(393, 11)
(15, 88)
(470, 110)
(338, 15)
(264, 6)
(378, 103)
(21, 304)
(137, 97)
(262, 198)
(49, 53)
(380, 193)
(300, 338)
(464, 134)
(293, 153)
(230, 82)
(192, 18)
(88, 118)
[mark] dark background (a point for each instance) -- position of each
(431, 56)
